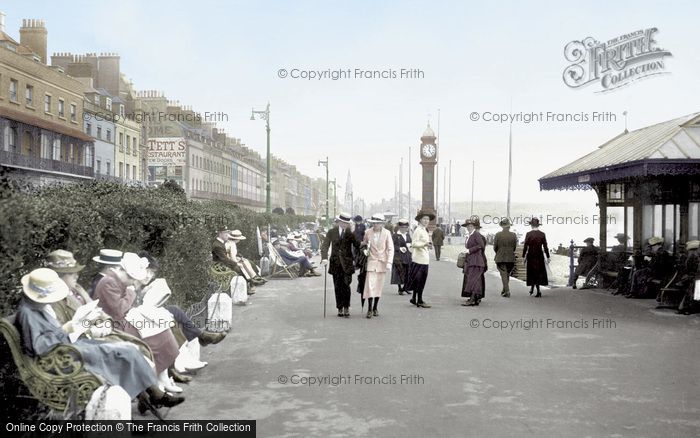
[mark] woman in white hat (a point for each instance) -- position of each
(117, 363)
(380, 255)
(116, 292)
(420, 250)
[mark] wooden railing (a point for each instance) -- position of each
(45, 164)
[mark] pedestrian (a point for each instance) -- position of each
(504, 244)
(359, 232)
(438, 238)
(587, 258)
(534, 251)
(380, 255)
(341, 241)
(402, 255)
(418, 270)
(474, 283)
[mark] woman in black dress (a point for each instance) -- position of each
(534, 250)
(402, 254)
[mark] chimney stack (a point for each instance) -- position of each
(33, 34)
(2, 21)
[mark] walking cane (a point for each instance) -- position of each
(325, 285)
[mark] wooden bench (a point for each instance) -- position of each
(56, 379)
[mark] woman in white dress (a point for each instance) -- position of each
(380, 256)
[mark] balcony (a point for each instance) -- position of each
(14, 159)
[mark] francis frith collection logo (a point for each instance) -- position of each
(616, 62)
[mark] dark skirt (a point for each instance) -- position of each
(399, 273)
(536, 271)
(474, 282)
(417, 276)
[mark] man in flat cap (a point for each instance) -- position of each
(587, 258)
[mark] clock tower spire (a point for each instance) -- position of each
(428, 160)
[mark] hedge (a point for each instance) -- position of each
(85, 217)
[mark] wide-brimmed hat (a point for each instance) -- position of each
(534, 222)
(236, 235)
(156, 293)
(621, 236)
(403, 223)
(505, 222)
(44, 286)
(656, 240)
(109, 257)
(357, 218)
(422, 213)
(343, 217)
(473, 221)
(63, 262)
(135, 266)
(377, 218)
(588, 239)
(692, 244)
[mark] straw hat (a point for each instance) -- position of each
(343, 217)
(135, 266)
(44, 286)
(109, 257)
(377, 219)
(656, 240)
(63, 262)
(403, 223)
(236, 235)
(692, 244)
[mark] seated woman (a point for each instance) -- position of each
(305, 267)
(117, 294)
(116, 363)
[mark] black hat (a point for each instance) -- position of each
(534, 222)
(357, 218)
(505, 222)
(275, 242)
(622, 236)
(473, 221)
(590, 239)
(422, 213)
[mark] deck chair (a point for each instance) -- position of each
(277, 264)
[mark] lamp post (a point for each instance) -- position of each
(265, 115)
(325, 163)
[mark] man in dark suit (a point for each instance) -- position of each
(504, 244)
(438, 240)
(587, 258)
(341, 265)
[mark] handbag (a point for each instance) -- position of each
(460, 259)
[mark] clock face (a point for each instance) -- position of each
(428, 150)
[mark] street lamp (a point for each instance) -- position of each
(265, 115)
(325, 163)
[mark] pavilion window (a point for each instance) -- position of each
(616, 193)
(694, 221)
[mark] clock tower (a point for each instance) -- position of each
(428, 160)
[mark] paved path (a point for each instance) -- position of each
(635, 373)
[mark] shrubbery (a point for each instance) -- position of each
(83, 218)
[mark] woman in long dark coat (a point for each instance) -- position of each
(534, 250)
(402, 255)
(474, 283)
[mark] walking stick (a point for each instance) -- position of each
(325, 285)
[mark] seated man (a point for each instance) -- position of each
(659, 267)
(249, 271)
(690, 274)
(305, 267)
(587, 258)
(220, 255)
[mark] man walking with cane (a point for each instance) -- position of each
(341, 265)
(504, 244)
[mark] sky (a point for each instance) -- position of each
(505, 57)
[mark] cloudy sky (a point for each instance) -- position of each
(227, 56)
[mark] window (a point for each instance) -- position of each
(61, 108)
(97, 99)
(108, 104)
(73, 112)
(88, 128)
(12, 140)
(29, 95)
(121, 170)
(133, 144)
(121, 139)
(108, 170)
(109, 135)
(127, 170)
(57, 148)
(98, 165)
(13, 90)
(133, 171)
(128, 143)
(47, 103)
(121, 111)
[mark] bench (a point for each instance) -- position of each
(58, 378)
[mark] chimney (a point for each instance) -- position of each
(33, 34)
(2, 21)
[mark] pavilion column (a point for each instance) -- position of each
(603, 214)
